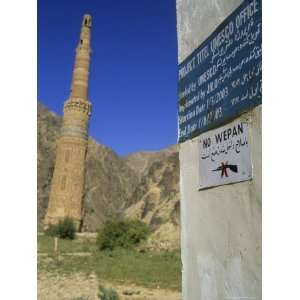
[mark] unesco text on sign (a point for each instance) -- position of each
(225, 155)
(222, 78)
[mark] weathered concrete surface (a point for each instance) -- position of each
(221, 226)
(197, 19)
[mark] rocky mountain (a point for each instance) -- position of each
(142, 185)
(48, 125)
(156, 198)
(108, 187)
(141, 161)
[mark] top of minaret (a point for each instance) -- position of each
(87, 20)
(79, 85)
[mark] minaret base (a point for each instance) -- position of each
(48, 221)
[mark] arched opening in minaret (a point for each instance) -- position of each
(80, 42)
(85, 22)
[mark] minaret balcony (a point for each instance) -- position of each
(78, 104)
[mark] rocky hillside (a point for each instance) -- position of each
(156, 198)
(141, 161)
(142, 185)
(48, 125)
(108, 187)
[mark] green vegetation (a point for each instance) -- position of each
(118, 262)
(122, 234)
(65, 229)
(107, 294)
(149, 269)
(46, 245)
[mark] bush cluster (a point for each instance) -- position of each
(107, 294)
(122, 234)
(64, 229)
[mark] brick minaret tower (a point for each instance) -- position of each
(67, 184)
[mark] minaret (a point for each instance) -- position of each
(67, 186)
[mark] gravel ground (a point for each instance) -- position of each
(73, 286)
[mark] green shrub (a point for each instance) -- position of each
(122, 234)
(107, 294)
(64, 229)
(51, 230)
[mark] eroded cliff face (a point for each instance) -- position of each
(141, 161)
(48, 126)
(156, 199)
(108, 186)
(143, 185)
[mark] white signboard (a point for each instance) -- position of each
(225, 155)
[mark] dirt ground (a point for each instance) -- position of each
(73, 286)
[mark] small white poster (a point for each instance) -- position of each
(225, 155)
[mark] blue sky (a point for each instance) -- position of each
(133, 75)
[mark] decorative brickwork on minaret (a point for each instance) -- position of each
(67, 186)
